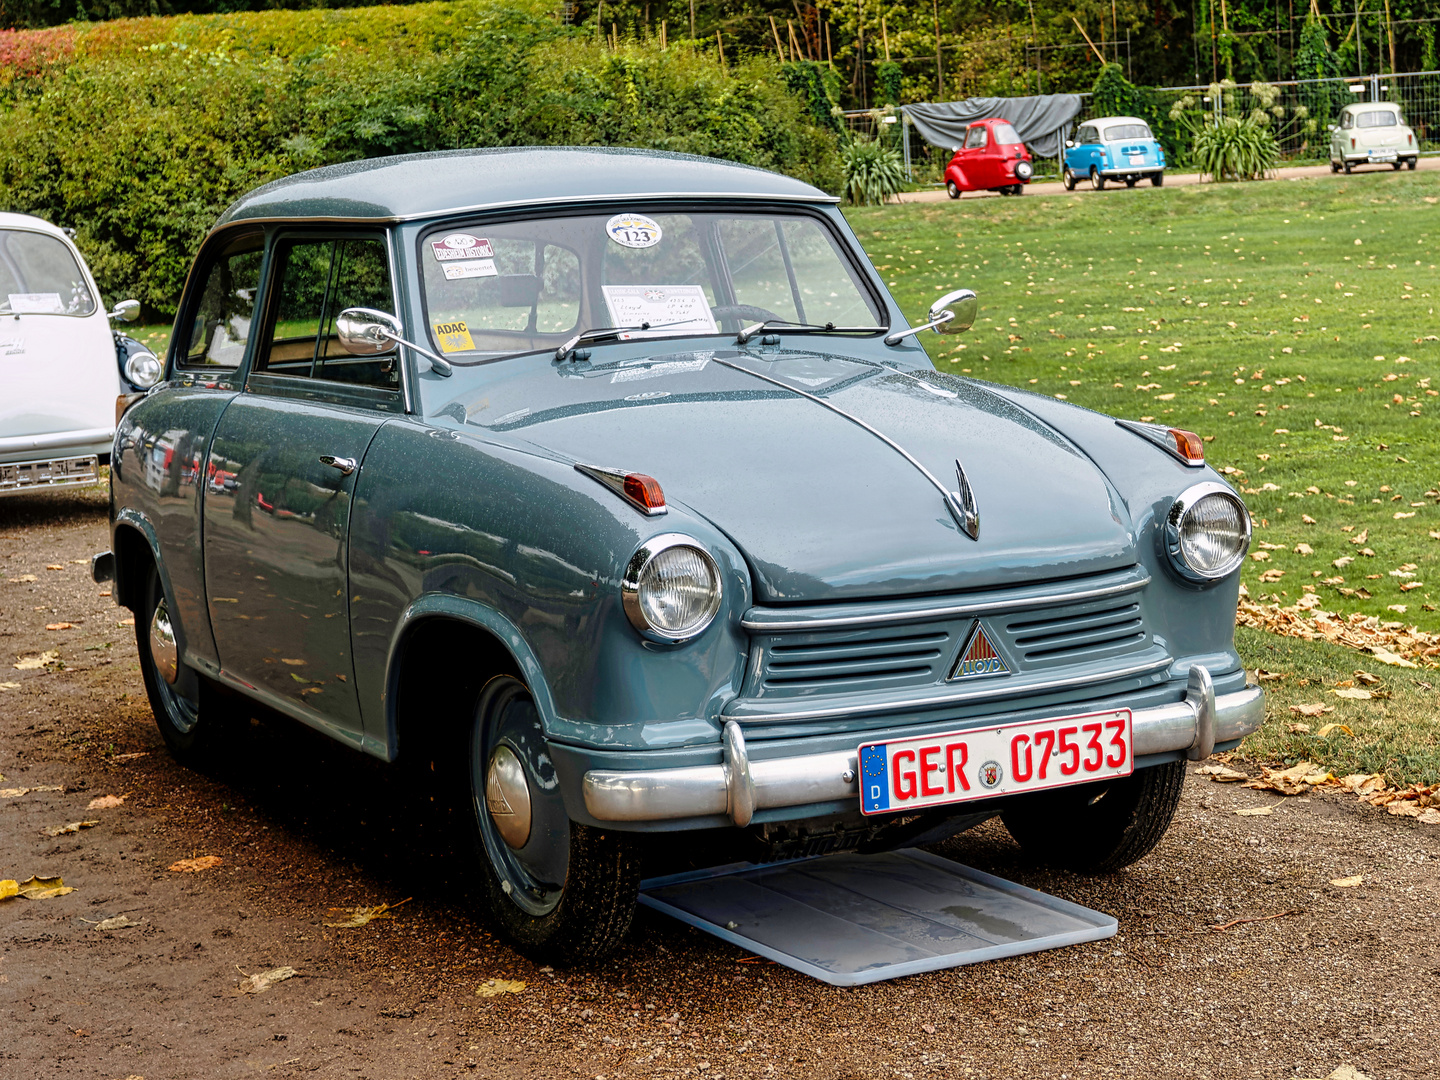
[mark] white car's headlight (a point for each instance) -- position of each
(671, 589)
(143, 369)
(1207, 532)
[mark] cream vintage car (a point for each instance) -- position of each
(1372, 134)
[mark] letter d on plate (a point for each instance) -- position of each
(874, 778)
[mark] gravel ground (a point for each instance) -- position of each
(1346, 976)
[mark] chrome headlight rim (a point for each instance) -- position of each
(646, 554)
(146, 380)
(1184, 503)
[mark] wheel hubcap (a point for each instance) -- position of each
(507, 797)
(163, 650)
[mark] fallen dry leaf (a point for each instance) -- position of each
(115, 922)
(359, 916)
(115, 759)
(9, 686)
(73, 827)
(1368, 679)
(1304, 549)
(195, 865)
(1326, 730)
(1385, 656)
(1220, 774)
(16, 792)
(1315, 709)
(264, 980)
(35, 663)
(1295, 780)
(1363, 783)
(1255, 811)
(1431, 816)
(1353, 693)
(1348, 882)
(495, 987)
(106, 802)
(1298, 729)
(60, 626)
(36, 888)
(1268, 676)
(1360, 537)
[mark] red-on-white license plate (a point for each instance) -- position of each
(910, 774)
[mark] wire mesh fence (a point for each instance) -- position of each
(1301, 113)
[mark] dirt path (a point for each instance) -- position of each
(1172, 179)
(303, 827)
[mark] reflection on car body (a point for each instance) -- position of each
(667, 579)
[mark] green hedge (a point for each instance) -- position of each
(139, 133)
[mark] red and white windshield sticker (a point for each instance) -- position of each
(461, 245)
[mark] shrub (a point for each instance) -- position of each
(873, 172)
(139, 133)
(1241, 148)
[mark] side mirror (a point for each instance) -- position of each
(126, 311)
(1070, 144)
(366, 332)
(962, 306)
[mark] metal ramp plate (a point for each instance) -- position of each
(852, 919)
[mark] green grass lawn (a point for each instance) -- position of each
(1292, 324)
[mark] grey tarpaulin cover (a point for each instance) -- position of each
(1042, 122)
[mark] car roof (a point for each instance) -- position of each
(412, 186)
(1356, 106)
(34, 224)
(1101, 121)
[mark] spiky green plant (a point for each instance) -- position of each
(873, 172)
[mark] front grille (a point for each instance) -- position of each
(900, 645)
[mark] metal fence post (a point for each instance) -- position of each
(905, 138)
(1375, 87)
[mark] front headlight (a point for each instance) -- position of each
(143, 369)
(671, 589)
(1207, 533)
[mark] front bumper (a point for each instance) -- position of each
(738, 787)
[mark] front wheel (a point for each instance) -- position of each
(1346, 166)
(1334, 166)
(562, 891)
(172, 687)
(952, 189)
(1068, 179)
(1157, 179)
(1096, 180)
(1097, 828)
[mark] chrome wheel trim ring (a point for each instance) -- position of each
(164, 653)
(507, 797)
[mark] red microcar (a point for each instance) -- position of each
(992, 158)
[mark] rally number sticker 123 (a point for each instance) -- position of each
(981, 763)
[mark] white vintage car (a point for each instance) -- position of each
(1372, 134)
(60, 374)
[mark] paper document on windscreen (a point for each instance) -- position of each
(679, 309)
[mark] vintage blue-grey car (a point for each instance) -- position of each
(618, 485)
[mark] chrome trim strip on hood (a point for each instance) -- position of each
(749, 712)
(760, 621)
(965, 516)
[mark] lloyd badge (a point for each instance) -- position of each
(978, 659)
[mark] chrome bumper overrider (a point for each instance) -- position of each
(739, 786)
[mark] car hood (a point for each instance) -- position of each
(812, 464)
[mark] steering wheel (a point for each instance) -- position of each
(744, 313)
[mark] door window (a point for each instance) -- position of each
(39, 276)
(315, 280)
(219, 329)
(975, 138)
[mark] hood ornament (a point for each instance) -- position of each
(962, 505)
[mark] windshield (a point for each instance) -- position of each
(519, 286)
(1377, 118)
(1124, 132)
(39, 276)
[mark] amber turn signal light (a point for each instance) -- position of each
(644, 491)
(1189, 446)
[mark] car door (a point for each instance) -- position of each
(289, 449)
(972, 157)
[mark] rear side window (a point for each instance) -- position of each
(39, 276)
(1006, 135)
(219, 329)
(1377, 118)
(1126, 132)
(1087, 135)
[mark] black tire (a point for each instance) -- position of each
(1334, 166)
(1019, 189)
(188, 733)
(1411, 163)
(1096, 180)
(1068, 179)
(1130, 181)
(585, 914)
(1098, 828)
(1346, 166)
(1397, 164)
(952, 189)
(1157, 179)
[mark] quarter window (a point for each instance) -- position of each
(1006, 135)
(220, 325)
(315, 280)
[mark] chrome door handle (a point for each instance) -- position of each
(346, 465)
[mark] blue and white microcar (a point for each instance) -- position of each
(1113, 148)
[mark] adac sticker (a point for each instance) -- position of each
(633, 230)
(460, 245)
(453, 336)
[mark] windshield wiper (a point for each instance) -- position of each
(801, 328)
(599, 332)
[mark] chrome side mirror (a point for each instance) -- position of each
(961, 306)
(1070, 144)
(367, 332)
(126, 311)
(951, 314)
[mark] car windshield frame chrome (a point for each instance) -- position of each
(863, 272)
